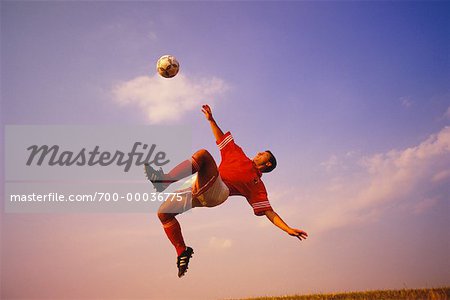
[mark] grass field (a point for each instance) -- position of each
(429, 294)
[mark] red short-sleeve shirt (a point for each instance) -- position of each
(241, 176)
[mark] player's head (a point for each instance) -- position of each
(265, 161)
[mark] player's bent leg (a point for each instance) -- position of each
(209, 190)
(207, 172)
(205, 162)
(161, 181)
(200, 160)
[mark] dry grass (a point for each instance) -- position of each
(425, 294)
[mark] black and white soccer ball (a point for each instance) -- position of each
(167, 66)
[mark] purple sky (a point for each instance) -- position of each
(352, 97)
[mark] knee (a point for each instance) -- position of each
(202, 155)
(165, 217)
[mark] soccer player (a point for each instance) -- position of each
(236, 175)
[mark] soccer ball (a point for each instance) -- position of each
(167, 66)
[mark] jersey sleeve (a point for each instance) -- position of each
(226, 142)
(228, 148)
(259, 200)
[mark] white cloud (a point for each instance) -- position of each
(334, 162)
(406, 102)
(164, 99)
(219, 243)
(331, 163)
(405, 176)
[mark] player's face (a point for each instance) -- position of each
(261, 158)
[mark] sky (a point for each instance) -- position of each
(352, 98)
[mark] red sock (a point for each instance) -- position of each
(183, 169)
(173, 231)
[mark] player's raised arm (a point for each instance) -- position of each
(277, 221)
(218, 133)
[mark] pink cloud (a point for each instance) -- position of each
(424, 205)
(404, 176)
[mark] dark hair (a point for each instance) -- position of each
(272, 160)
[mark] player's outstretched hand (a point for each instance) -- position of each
(300, 234)
(207, 111)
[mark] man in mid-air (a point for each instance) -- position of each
(237, 175)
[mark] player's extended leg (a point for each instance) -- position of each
(166, 214)
(207, 172)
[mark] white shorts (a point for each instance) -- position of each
(215, 194)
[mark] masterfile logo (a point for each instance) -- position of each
(91, 152)
(53, 156)
(103, 164)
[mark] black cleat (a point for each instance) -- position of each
(183, 261)
(156, 177)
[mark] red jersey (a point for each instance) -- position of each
(241, 176)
